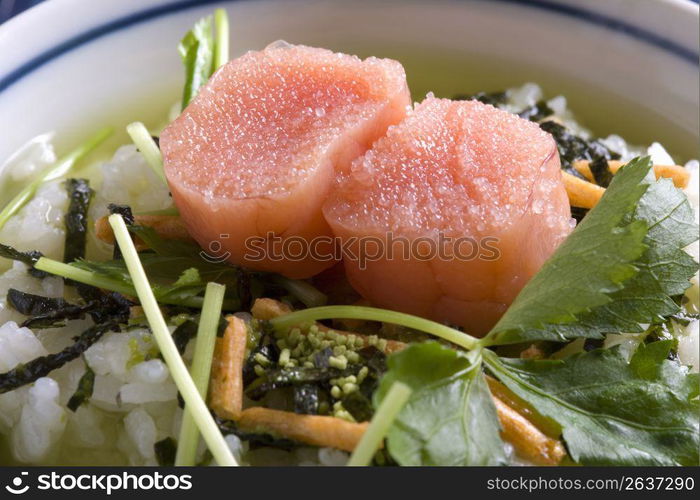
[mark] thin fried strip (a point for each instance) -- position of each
(528, 440)
(581, 193)
(267, 309)
(315, 430)
(169, 227)
(680, 175)
(226, 386)
(500, 391)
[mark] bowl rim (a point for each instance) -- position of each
(166, 7)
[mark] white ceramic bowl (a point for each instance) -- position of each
(627, 66)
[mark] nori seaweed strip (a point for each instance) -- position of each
(40, 367)
(375, 360)
(267, 347)
(123, 210)
(76, 219)
(45, 312)
(34, 305)
(255, 440)
(128, 216)
(108, 306)
(306, 398)
(285, 377)
(83, 393)
(183, 334)
(572, 147)
(601, 171)
(165, 451)
(492, 98)
(536, 112)
(359, 406)
(156, 139)
(28, 258)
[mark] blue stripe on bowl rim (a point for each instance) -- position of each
(588, 16)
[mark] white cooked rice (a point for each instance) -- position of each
(134, 403)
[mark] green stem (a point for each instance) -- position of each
(147, 146)
(86, 277)
(221, 47)
(193, 400)
(201, 367)
(83, 276)
(59, 169)
(305, 292)
(387, 412)
(283, 323)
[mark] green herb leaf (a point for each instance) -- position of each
(179, 271)
(169, 259)
(450, 418)
(185, 290)
(222, 37)
(82, 394)
(197, 52)
(664, 268)
(613, 412)
(619, 269)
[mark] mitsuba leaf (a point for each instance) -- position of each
(664, 269)
(169, 259)
(197, 52)
(450, 418)
(188, 284)
(612, 411)
(620, 268)
(82, 394)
